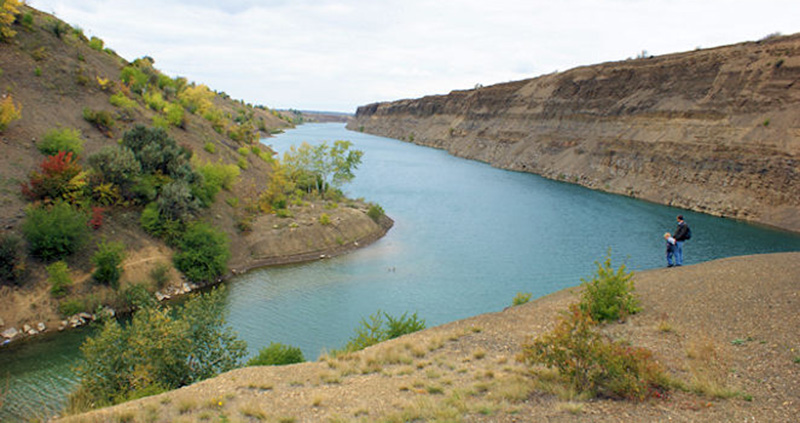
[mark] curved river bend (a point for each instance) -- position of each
(467, 238)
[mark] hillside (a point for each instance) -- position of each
(55, 75)
(726, 328)
(714, 130)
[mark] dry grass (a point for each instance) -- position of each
(253, 410)
(708, 369)
(571, 407)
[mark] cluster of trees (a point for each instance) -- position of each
(160, 349)
(311, 169)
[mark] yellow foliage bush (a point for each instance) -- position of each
(8, 13)
(197, 99)
(9, 112)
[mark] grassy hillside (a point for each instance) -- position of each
(61, 90)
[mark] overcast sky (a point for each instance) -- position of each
(338, 54)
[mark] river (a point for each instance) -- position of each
(467, 238)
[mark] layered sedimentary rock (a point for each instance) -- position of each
(715, 130)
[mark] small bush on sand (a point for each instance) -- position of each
(375, 212)
(609, 295)
(375, 329)
(594, 365)
(521, 298)
(277, 355)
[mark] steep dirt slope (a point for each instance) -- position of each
(714, 130)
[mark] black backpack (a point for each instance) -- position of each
(688, 233)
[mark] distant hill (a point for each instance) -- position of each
(310, 116)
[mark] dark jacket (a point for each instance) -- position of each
(680, 233)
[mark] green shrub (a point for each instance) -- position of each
(155, 100)
(160, 122)
(157, 151)
(58, 276)
(399, 326)
(27, 21)
(277, 355)
(145, 187)
(324, 219)
(594, 365)
(107, 261)
(152, 222)
(96, 43)
(284, 213)
(123, 102)
(134, 78)
(101, 119)
(217, 176)
(176, 202)
(71, 307)
(609, 295)
(12, 263)
(117, 164)
(210, 147)
(374, 329)
(521, 298)
(203, 253)
(160, 275)
(375, 212)
(175, 115)
(56, 232)
(65, 139)
(136, 296)
(243, 151)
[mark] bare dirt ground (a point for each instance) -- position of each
(727, 329)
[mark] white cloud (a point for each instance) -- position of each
(336, 55)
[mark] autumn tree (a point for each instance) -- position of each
(322, 166)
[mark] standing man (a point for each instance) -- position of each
(682, 233)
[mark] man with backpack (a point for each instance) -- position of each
(682, 233)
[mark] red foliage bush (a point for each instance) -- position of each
(54, 178)
(97, 218)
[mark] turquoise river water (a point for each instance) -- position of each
(467, 238)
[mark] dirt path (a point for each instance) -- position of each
(732, 324)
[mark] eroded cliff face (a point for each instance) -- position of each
(714, 130)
